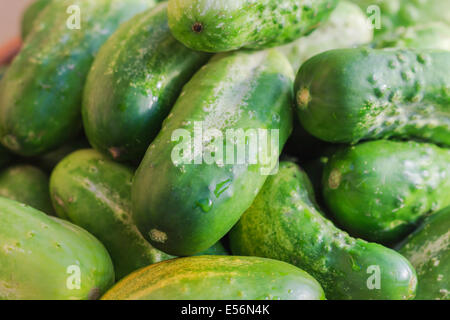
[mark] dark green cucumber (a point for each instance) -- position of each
(30, 15)
(218, 278)
(143, 69)
(352, 94)
(346, 28)
(428, 250)
(26, 184)
(283, 223)
(217, 25)
(46, 258)
(380, 190)
(184, 206)
(40, 95)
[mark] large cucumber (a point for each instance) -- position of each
(26, 184)
(42, 257)
(379, 190)
(40, 95)
(348, 95)
(283, 223)
(428, 249)
(143, 68)
(347, 27)
(192, 186)
(30, 15)
(217, 25)
(218, 278)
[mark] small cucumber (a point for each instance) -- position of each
(26, 184)
(347, 27)
(218, 278)
(185, 205)
(143, 68)
(217, 25)
(428, 249)
(46, 258)
(348, 95)
(379, 190)
(283, 223)
(30, 15)
(40, 94)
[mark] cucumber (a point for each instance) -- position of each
(283, 223)
(30, 15)
(217, 25)
(143, 68)
(428, 36)
(428, 249)
(346, 27)
(217, 278)
(184, 206)
(40, 95)
(49, 259)
(348, 95)
(26, 184)
(380, 190)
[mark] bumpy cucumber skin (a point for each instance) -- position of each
(218, 278)
(37, 251)
(184, 209)
(283, 223)
(428, 249)
(94, 192)
(30, 15)
(234, 24)
(26, 184)
(345, 28)
(40, 95)
(347, 95)
(143, 68)
(379, 190)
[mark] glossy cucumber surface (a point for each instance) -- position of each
(284, 223)
(217, 25)
(187, 194)
(143, 69)
(218, 278)
(349, 95)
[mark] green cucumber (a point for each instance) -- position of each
(46, 258)
(218, 278)
(40, 95)
(428, 249)
(348, 95)
(284, 223)
(184, 206)
(346, 27)
(30, 15)
(143, 68)
(26, 184)
(217, 25)
(380, 190)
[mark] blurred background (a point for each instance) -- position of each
(10, 14)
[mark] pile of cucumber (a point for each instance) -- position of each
(115, 180)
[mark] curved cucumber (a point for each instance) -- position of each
(40, 95)
(217, 278)
(379, 190)
(143, 68)
(428, 250)
(46, 258)
(28, 185)
(348, 95)
(193, 184)
(217, 25)
(283, 223)
(346, 28)
(30, 15)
